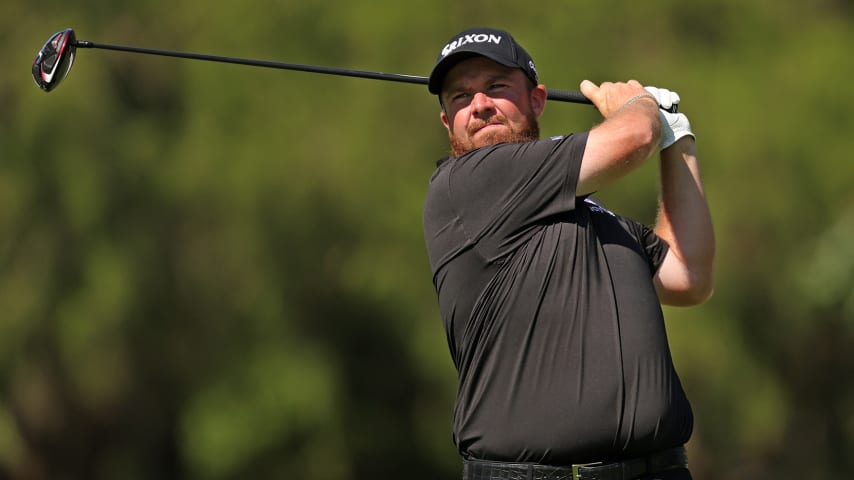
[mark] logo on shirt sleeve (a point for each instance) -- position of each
(595, 207)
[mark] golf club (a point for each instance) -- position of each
(55, 58)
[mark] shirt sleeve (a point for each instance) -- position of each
(506, 189)
(654, 246)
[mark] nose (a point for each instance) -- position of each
(481, 103)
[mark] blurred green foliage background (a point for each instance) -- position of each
(210, 271)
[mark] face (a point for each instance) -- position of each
(486, 103)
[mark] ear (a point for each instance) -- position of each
(445, 121)
(538, 99)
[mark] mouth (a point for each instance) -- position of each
(487, 127)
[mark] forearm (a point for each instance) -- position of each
(625, 140)
(684, 220)
(640, 125)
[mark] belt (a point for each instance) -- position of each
(623, 470)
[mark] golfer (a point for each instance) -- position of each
(550, 301)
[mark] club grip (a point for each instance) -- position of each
(568, 96)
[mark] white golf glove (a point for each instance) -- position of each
(674, 125)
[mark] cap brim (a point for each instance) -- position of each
(437, 76)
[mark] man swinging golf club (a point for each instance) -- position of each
(552, 303)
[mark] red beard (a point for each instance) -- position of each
(460, 146)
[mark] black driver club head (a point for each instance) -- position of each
(54, 60)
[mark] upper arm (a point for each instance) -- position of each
(500, 190)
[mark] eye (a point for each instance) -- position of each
(461, 97)
(497, 86)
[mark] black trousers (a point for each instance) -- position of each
(670, 464)
(678, 474)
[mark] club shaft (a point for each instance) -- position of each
(559, 95)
